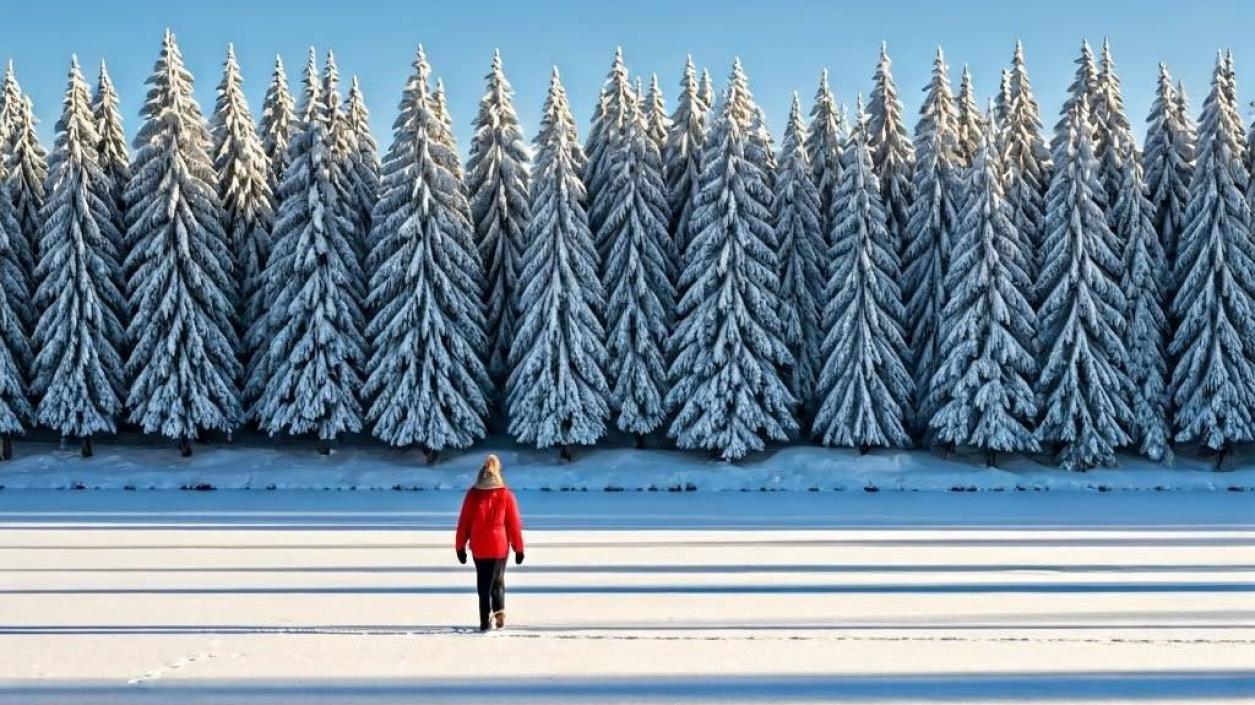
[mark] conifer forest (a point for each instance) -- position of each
(679, 276)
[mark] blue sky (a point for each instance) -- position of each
(783, 45)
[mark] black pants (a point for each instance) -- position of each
(490, 582)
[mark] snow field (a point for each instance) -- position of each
(293, 604)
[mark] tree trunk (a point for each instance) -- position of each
(564, 453)
(7, 451)
(640, 441)
(323, 447)
(185, 447)
(61, 443)
(430, 455)
(1221, 452)
(85, 447)
(862, 450)
(991, 458)
(202, 435)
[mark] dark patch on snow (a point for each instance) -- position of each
(198, 487)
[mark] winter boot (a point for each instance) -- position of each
(500, 619)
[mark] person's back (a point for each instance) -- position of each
(490, 523)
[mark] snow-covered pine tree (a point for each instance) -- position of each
(932, 235)
(656, 119)
(1213, 382)
(1186, 116)
(364, 160)
(864, 386)
(893, 156)
(497, 183)
(28, 172)
(1002, 102)
(969, 122)
(243, 176)
(605, 137)
(182, 358)
(803, 249)
(1082, 384)
(639, 92)
(764, 147)
(10, 110)
(15, 349)
(557, 392)
(425, 374)
(729, 349)
(77, 373)
(638, 275)
(682, 158)
(342, 144)
(312, 343)
(1084, 85)
(444, 121)
(15, 312)
(20, 247)
(1026, 164)
(1168, 160)
(266, 327)
(112, 154)
(707, 91)
(1142, 283)
(277, 124)
(1231, 94)
(825, 139)
(984, 382)
(1114, 138)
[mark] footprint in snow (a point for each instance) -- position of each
(158, 673)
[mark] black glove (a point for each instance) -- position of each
(462, 556)
(518, 558)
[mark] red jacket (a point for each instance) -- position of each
(490, 521)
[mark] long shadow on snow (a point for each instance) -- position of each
(1180, 686)
(725, 569)
(591, 630)
(763, 589)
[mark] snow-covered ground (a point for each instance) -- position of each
(312, 597)
(257, 464)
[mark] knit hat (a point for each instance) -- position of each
(490, 474)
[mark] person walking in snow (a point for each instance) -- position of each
(490, 522)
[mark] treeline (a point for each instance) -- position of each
(676, 275)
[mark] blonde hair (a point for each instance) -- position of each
(491, 464)
(490, 473)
